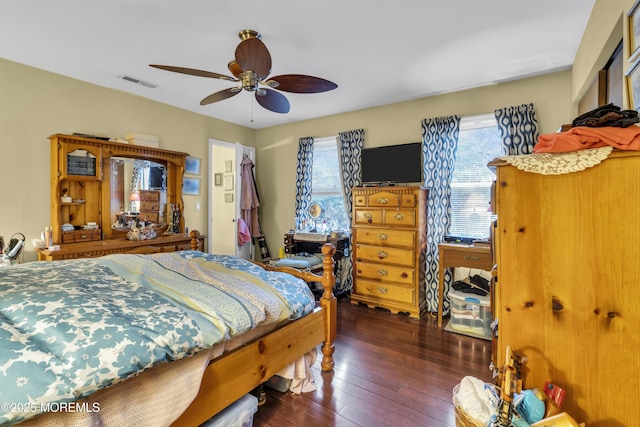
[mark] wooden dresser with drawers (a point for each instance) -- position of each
(389, 247)
(150, 206)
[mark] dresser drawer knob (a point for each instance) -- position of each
(383, 201)
(382, 254)
(383, 290)
(382, 272)
(472, 258)
(398, 216)
(383, 236)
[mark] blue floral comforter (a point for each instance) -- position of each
(70, 328)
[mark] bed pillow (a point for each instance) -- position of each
(299, 262)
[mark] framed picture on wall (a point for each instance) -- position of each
(191, 186)
(633, 21)
(192, 165)
(217, 179)
(633, 86)
(228, 183)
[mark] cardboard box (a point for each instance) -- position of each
(141, 136)
(142, 139)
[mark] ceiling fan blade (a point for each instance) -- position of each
(299, 83)
(252, 54)
(272, 100)
(221, 95)
(193, 72)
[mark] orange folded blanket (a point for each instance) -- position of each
(582, 137)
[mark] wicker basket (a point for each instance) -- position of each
(463, 419)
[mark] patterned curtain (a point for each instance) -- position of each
(518, 128)
(350, 145)
(439, 144)
(303, 179)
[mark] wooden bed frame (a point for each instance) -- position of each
(232, 375)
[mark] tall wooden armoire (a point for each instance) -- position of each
(567, 296)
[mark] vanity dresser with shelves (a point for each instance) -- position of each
(389, 248)
(82, 194)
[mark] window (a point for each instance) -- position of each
(479, 143)
(326, 185)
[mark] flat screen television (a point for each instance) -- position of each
(156, 178)
(392, 164)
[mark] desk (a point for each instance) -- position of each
(460, 255)
(293, 246)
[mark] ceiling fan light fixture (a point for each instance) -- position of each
(234, 68)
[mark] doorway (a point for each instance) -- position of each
(224, 197)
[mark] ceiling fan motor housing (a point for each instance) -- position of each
(249, 80)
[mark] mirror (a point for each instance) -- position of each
(316, 211)
(128, 176)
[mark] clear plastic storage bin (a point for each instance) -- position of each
(238, 414)
(470, 313)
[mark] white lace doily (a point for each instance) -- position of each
(559, 163)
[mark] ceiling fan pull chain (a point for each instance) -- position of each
(251, 101)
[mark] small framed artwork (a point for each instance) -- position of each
(217, 179)
(191, 186)
(633, 86)
(192, 165)
(228, 165)
(228, 183)
(228, 197)
(633, 23)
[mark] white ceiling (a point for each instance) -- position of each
(377, 52)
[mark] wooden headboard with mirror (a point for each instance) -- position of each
(92, 180)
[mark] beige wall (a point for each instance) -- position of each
(276, 147)
(607, 26)
(35, 104)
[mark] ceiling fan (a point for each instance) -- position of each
(251, 67)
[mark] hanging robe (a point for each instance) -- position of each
(249, 201)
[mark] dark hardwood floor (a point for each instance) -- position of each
(390, 370)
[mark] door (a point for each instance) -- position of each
(224, 197)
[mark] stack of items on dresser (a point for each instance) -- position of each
(142, 139)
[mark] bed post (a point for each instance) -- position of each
(195, 242)
(329, 303)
